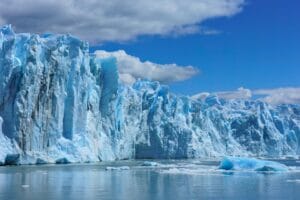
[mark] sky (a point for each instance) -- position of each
(233, 48)
(257, 48)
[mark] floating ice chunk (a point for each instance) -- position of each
(150, 164)
(188, 170)
(118, 168)
(172, 171)
(242, 163)
(293, 181)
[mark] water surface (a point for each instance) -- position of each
(188, 179)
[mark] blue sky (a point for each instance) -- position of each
(257, 48)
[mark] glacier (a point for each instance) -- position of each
(60, 103)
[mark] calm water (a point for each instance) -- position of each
(171, 180)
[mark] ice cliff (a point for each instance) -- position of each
(60, 103)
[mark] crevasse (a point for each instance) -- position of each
(60, 103)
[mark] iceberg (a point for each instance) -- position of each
(60, 103)
(253, 164)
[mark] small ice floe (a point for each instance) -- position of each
(190, 171)
(150, 164)
(252, 164)
(117, 168)
(172, 171)
(25, 186)
(42, 172)
(293, 181)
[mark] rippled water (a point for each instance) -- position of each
(188, 179)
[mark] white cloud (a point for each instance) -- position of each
(289, 95)
(276, 96)
(240, 93)
(131, 68)
(114, 20)
(201, 96)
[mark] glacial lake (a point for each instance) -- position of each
(180, 179)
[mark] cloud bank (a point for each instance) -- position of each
(132, 68)
(240, 93)
(114, 20)
(276, 96)
(289, 95)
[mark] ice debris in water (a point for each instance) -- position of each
(150, 164)
(243, 163)
(293, 181)
(118, 168)
(61, 103)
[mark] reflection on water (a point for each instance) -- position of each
(186, 182)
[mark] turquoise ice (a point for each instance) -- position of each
(243, 163)
(59, 102)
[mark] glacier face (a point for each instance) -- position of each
(59, 102)
(177, 126)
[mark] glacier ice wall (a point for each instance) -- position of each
(177, 126)
(58, 101)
